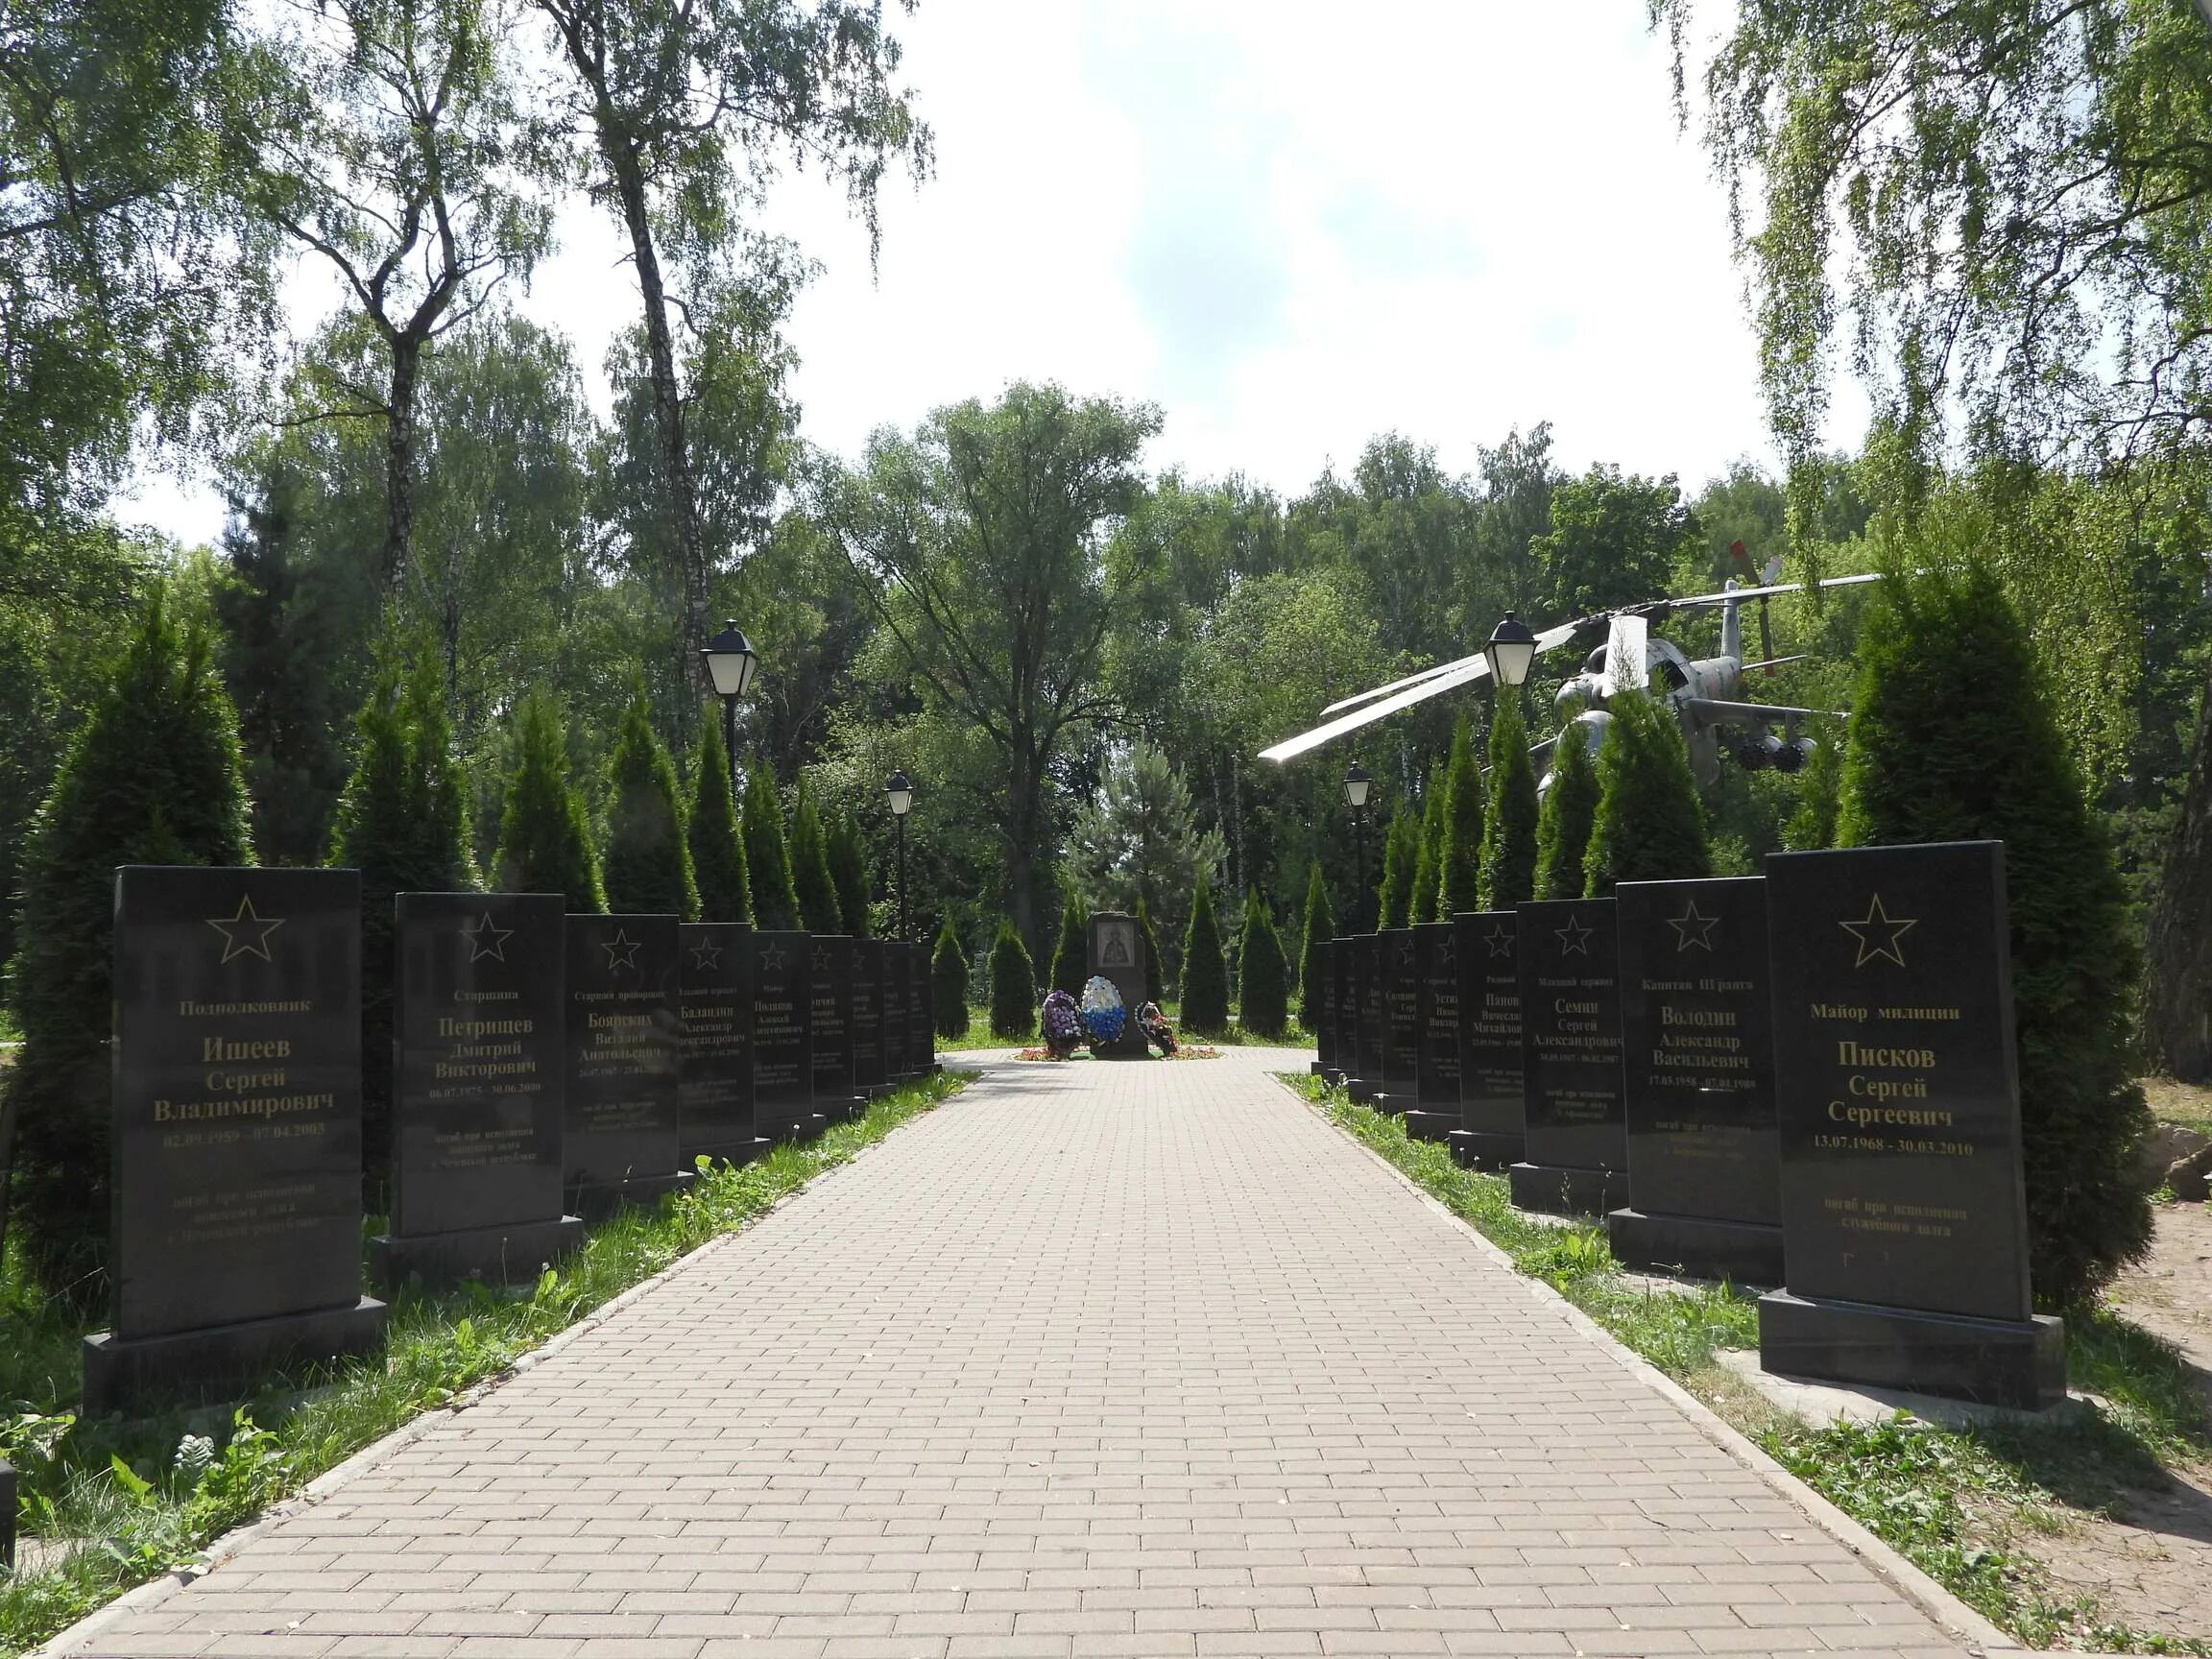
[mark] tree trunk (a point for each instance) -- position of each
(399, 462)
(2178, 985)
(667, 419)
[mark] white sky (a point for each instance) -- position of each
(1292, 225)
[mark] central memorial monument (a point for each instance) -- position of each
(1904, 1210)
(1576, 1161)
(1118, 953)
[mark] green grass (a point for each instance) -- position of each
(1955, 1504)
(128, 1502)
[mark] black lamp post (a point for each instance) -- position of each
(731, 665)
(1356, 783)
(899, 791)
(1511, 649)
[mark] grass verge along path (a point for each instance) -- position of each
(110, 1506)
(1963, 1505)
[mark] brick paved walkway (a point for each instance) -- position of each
(1095, 1359)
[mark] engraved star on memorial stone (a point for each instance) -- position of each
(821, 958)
(772, 958)
(1443, 953)
(707, 956)
(1404, 953)
(1574, 938)
(1692, 928)
(1878, 933)
(487, 938)
(246, 934)
(1499, 941)
(621, 950)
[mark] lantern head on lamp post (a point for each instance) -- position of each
(899, 790)
(1511, 649)
(1356, 785)
(731, 665)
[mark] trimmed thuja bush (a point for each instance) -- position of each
(820, 910)
(1319, 928)
(948, 979)
(1013, 985)
(1649, 826)
(1071, 954)
(848, 871)
(400, 821)
(153, 777)
(544, 846)
(1953, 738)
(1262, 994)
(648, 863)
(767, 859)
(1205, 976)
(1508, 872)
(1460, 862)
(1401, 853)
(1429, 861)
(1563, 829)
(717, 853)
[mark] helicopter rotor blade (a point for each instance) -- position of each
(1716, 712)
(1360, 697)
(1778, 661)
(1775, 588)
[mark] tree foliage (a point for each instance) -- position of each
(1563, 826)
(710, 832)
(1139, 842)
(1648, 826)
(1459, 864)
(948, 981)
(1013, 985)
(1205, 1003)
(767, 856)
(1070, 956)
(544, 840)
(1317, 928)
(1953, 738)
(1510, 823)
(1401, 858)
(647, 865)
(1429, 848)
(848, 871)
(820, 908)
(1262, 989)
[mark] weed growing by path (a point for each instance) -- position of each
(108, 1506)
(1953, 1503)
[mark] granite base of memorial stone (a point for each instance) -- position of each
(2016, 1364)
(1360, 1090)
(1562, 1190)
(221, 1361)
(1742, 1251)
(505, 1254)
(6, 1517)
(597, 1200)
(1437, 1126)
(736, 1153)
(1486, 1149)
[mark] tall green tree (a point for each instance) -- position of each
(1155, 965)
(1205, 1005)
(1459, 864)
(1613, 540)
(1401, 858)
(1509, 824)
(1071, 955)
(1648, 826)
(680, 113)
(849, 869)
(1139, 842)
(1014, 501)
(1563, 826)
(1429, 854)
(1953, 738)
(544, 839)
(948, 981)
(767, 857)
(153, 778)
(1318, 927)
(711, 831)
(647, 865)
(1262, 989)
(819, 908)
(1013, 985)
(402, 824)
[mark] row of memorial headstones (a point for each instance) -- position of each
(1817, 1105)
(546, 1067)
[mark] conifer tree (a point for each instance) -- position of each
(1319, 927)
(1401, 852)
(1155, 967)
(153, 777)
(400, 821)
(1429, 859)
(1812, 826)
(1204, 976)
(1262, 994)
(819, 909)
(544, 844)
(1650, 824)
(717, 853)
(647, 865)
(1013, 985)
(1459, 865)
(767, 859)
(948, 980)
(1954, 739)
(848, 870)
(1508, 872)
(1563, 827)
(1071, 955)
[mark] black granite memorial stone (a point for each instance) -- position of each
(1435, 1113)
(1321, 995)
(921, 1037)
(1117, 951)
(1401, 1020)
(1370, 1009)
(1343, 1013)
(784, 1037)
(836, 1094)
(479, 1072)
(868, 1079)
(892, 1008)
(1697, 1048)
(714, 980)
(1491, 1059)
(1904, 1212)
(1577, 1157)
(625, 1055)
(236, 1227)
(8, 1503)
